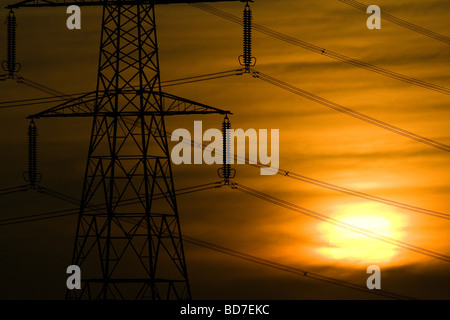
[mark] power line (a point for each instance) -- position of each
(35, 217)
(198, 80)
(227, 251)
(205, 77)
(57, 96)
(293, 270)
(40, 87)
(58, 195)
(350, 112)
(344, 225)
(323, 184)
(63, 213)
(240, 187)
(291, 175)
(297, 176)
(97, 207)
(282, 267)
(10, 190)
(400, 22)
(34, 101)
(323, 51)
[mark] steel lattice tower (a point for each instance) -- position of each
(129, 159)
(132, 249)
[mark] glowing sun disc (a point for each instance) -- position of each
(350, 246)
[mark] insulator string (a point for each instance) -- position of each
(10, 65)
(246, 60)
(226, 172)
(32, 176)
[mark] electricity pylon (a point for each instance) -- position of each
(133, 249)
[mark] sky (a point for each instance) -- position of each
(315, 141)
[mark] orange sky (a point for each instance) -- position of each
(314, 141)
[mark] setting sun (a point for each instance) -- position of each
(353, 247)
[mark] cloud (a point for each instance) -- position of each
(315, 141)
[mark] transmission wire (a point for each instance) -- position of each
(401, 22)
(323, 51)
(350, 112)
(323, 184)
(275, 265)
(344, 225)
(97, 207)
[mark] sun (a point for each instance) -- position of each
(352, 247)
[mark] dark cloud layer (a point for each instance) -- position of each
(314, 141)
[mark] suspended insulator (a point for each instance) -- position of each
(246, 59)
(226, 172)
(32, 176)
(10, 64)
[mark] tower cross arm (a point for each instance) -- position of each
(84, 106)
(76, 106)
(59, 3)
(174, 105)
